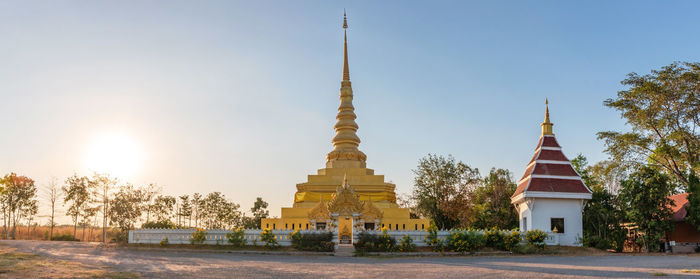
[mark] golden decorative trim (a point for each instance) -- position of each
(320, 212)
(345, 202)
(371, 212)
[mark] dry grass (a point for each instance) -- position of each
(90, 234)
(25, 265)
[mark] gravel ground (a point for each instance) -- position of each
(181, 264)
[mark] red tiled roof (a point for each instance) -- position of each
(554, 169)
(554, 155)
(678, 207)
(548, 141)
(560, 177)
(557, 185)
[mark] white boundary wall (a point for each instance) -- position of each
(213, 237)
(183, 236)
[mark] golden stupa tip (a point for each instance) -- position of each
(547, 124)
(345, 20)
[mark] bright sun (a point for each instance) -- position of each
(114, 154)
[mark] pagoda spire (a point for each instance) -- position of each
(346, 69)
(346, 141)
(547, 124)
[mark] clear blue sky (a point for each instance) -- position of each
(240, 97)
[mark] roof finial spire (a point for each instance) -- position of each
(345, 20)
(346, 68)
(547, 124)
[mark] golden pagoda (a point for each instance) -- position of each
(345, 194)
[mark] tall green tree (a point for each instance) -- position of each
(186, 209)
(492, 207)
(76, 193)
(693, 209)
(127, 206)
(18, 198)
(441, 190)
(663, 110)
(259, 211)
(103, 185)
(163, 206)
(216, 212)
(646, 194)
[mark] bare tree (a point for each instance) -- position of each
(53, 194)
(103, 183)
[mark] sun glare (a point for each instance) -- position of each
(115, 154)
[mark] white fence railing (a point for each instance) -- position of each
(213, 237)
(252, 236)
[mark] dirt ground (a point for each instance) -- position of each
(15, 264)
(174, 263)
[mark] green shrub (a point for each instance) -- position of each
(465, 241)
(512, 240)
(319, 242)
(164, 242)
(269, 238)
(495, 239)
(406, 244)
(595, 242)
(198, 236)
(236, 238)
(432, 239)
(368, 242)
(536, 238)
(163, 224)
(63, 237)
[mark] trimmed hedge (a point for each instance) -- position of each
(317, 242)
(368, 242)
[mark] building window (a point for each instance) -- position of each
(404, 226)
(369, 226)
(274, 226)
(267, 226)
(416, 227)
(557, 225)
(320, 226)
(307, 226)
(292, 226)
(286, 226)
(524, 224)
(422, 226)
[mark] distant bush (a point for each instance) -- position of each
(64, 237)
(164, 224)
(495, 239)
(319, 242)
(465, 241)
(512, 240)
(432, 239)
(406, 244)
(236, 238)
(269, 238)
(536, 238)
(198, 236)
(164, 242)
(368, 242)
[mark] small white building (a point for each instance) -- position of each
(551, 195)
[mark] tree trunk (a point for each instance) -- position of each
(104, 222)
(75, 226)
(52, 223)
